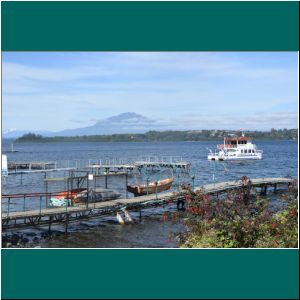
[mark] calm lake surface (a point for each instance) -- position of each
(280, 159)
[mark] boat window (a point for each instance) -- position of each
(242, 151)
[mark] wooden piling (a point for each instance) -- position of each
(66, 224)
(126, 184)
(106, 177)
(49, 227)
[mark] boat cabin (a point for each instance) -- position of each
(234, 142)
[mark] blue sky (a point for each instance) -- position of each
(182, 90)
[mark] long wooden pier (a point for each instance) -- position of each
(48, 216)
(107, 165)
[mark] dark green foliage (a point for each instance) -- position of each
(236, 223)
(164, 136)
(30, 137)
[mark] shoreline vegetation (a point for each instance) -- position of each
(240, 222)
(163, 136)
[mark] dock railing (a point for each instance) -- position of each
(38, 202)
(15, 167)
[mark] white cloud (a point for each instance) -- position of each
(257, 121)
(159, 85)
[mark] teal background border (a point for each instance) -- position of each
(145, 26)
(185, 274)
(150, 26)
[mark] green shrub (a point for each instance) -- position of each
(236, 222)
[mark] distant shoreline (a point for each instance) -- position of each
(163, 136)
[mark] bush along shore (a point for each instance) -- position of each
(163, 136)
(238, 222)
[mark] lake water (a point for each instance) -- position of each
(280, 159)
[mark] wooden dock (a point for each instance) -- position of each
(30, 165)
(112, 168)
(48, 216)
(162, 164)
(106, 165)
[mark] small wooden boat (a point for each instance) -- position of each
(141, 189)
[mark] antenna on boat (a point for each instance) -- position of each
(242, 130)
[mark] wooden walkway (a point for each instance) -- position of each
(162, 164)
(72, 213)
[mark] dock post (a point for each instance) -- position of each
(263, 190)
(147, 185)
(40, 205)
(126, 183)
(67, 223)
(49, 227)
(24, 202)
(106, 171)
(21, 178)
(275, 188)
(46, 183)
(87, 191)
(193, 179)
(8, 205)
(156, 183)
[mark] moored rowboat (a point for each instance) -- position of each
(142, 189)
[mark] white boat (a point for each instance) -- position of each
(236, 148)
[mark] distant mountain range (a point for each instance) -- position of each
(128, 122)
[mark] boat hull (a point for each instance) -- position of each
(140, 190)
(222, 158)
(99, 195)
